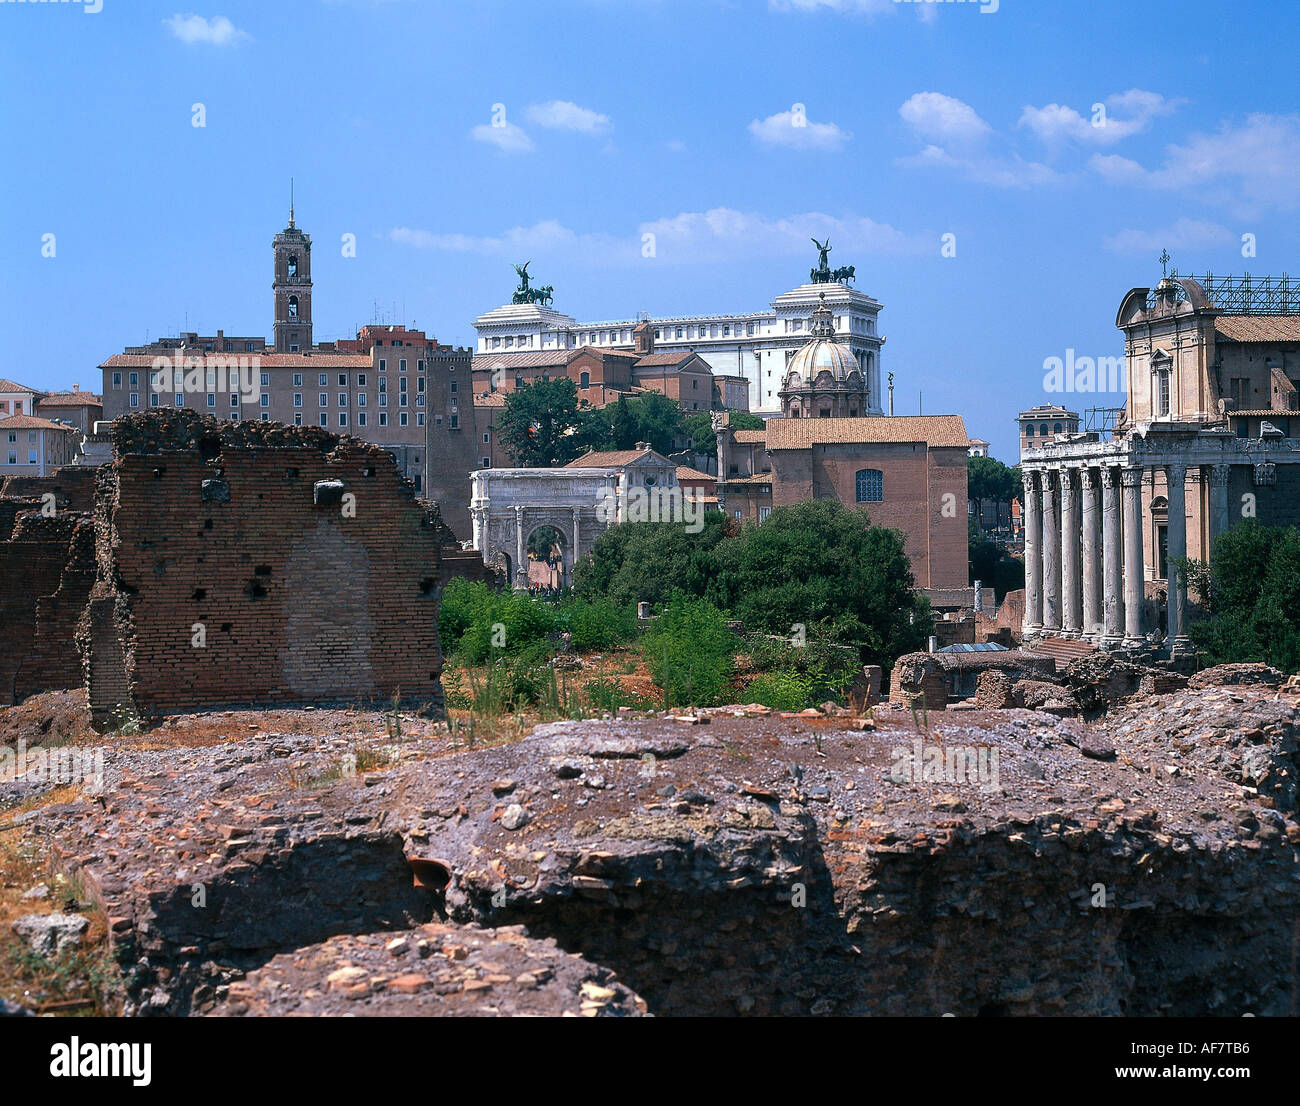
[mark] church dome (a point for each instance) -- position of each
(821, 352)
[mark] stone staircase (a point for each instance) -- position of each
(1063, 650)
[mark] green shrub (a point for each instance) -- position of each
(691, 652)
(781, 690)
(596, 625)
(607, 694)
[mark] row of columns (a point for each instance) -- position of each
(1083, 551)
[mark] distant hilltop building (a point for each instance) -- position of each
(756, 348)
(1212, 422)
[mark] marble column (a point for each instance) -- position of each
(1134, 571)
(1071, 584)
(1051, 555)
(1218, 480)
(1091, 552)
(1176, 477)
(1113, 600)
(1033, 523)
(521, 564)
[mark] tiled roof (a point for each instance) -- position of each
(177, 359)
(935, 430)
(612, 459)
(490, 399)
(685, 472)
(10, 386)
(534, 359)
(72, 399)
(31, 422)
(1258, 328)
(663, 360)
(750, 437)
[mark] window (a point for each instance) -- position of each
(1042, 431)
(248, 347)
(266, 400)
(153, 399)
(419, 401)
(403, 398)
(266, 380)
(322, 381)
(361, 399)
(135, 399)
(234, 416)
(180, 399)
(383, 365)
(343, 380)
(361, 418)
(293, 266)
(1056, 428)
(297, 399)
(265, 417)
(419, 365)
(402, 419)
(383, 418)
(117, 380)
(584, 380)
(361, 380)
(293, 307)
(323, 400)
(297, 380)
(343, 418)
(343, 399)
(487, 462)
(383, 384)
(1162, 401)
(419, 384)
(871, 486)
(401, 364)
(1029, 431)
(402, 385)
(455, 422)
(297, 418)
(13, 457)
(763, 512)
(453, 386)
(487, 438)
(324, 419)
(234, 399)
(419, 419)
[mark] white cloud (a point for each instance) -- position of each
(940, 118)
(1248, 167)
(564, 115)
(1120, 116)
(958, 140)
(718, 236)
(506, 137)
(793, 128)
(1185, 234)
(195, 29)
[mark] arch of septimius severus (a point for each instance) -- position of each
(1210, 434)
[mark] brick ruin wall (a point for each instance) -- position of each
(47, 567)
(257, 564)
(73, 487)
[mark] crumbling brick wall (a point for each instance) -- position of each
(32, 562)
(257, 564)
(54, 662)
(73, 487)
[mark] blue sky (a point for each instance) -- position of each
(631, 117)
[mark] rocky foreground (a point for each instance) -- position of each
(734, 863)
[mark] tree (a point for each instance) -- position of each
(644, 561)
(690, 651)
(993, 566)
(989, 479)
(545, 424)
(651, 417)
(743, 420)
(1250, 596)
(622, 425)
(821, 562)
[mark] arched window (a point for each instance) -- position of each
(1042, 430)
(1056, 428)
(293, 267)
(1029, 431)
(871, 486)
(584, 380)
(293, 307)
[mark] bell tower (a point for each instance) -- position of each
(292, 288)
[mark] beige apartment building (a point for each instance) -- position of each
(32, 446)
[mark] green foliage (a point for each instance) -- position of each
(596, 625)
(643, 561)
(993, 566)
(1251, 596)
(545, 425)
(780, 690)
(606, 694)
(651, 417)
(819, 562)
(476, 622)
(992, 481)
(743, 420)
(691, 652)
(823, 668)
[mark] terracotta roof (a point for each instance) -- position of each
(490, 399)
(31, 422)
(685, 472)
(663, 360)
(176, 359)
(1258, 328)
(534, 359)
(935, 430)
(612, 459)
(751, 437)
(72, 399)
(10, 386)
